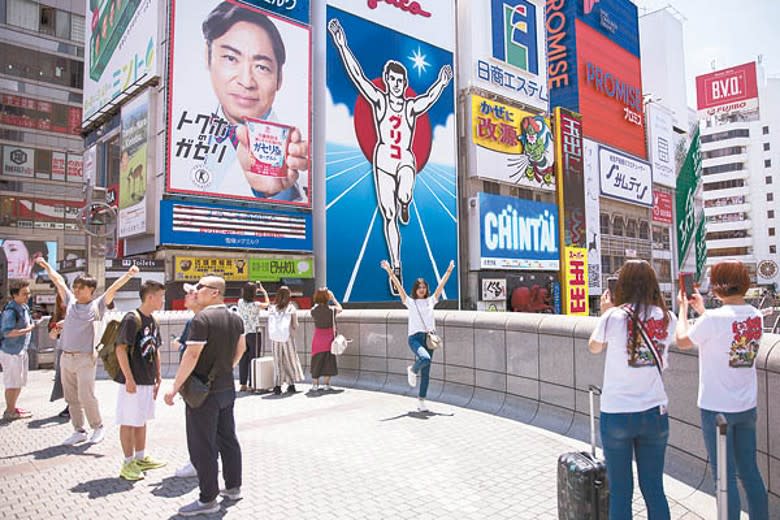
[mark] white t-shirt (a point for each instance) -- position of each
(633, 385)
(728, 340)
(422, 321)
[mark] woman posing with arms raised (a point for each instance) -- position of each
(323, 362)
(636, 329)
(421, 321)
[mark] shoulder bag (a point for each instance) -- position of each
(339, 343)
(194, 391)
(659, 360)
(432, 340)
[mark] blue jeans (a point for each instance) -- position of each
(642, 435)
(741, 460)
(422, 363)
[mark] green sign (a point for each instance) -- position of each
(275, 268)
(701, 246)
(687, 182)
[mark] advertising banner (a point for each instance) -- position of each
(509, 59)
(193, 268)
(571, 178)
(687, 184)
(23, 112)
(624, 177)
(661, 145)
(511, 145)
(120, 49)
(516, 234)
(239, 117)
(662, 207)
(727, 91)
(592, 216)
(134, 167)
(18, 161)
(562, 55)
(575, 281)
(701, 246)
(211, 225)
(391, 154)
(21, 255)
(58, 166)
(76, 166)
(493, 289)
(615, 19)
(274, 269)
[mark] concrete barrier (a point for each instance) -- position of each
(528, 367)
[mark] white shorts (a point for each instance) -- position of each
(135, 409)
(14, 369)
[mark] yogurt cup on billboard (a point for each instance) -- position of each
(268, 147)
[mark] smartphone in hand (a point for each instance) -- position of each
(612, 286)
(686, 284)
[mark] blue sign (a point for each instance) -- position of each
(514, 34)
(518, 233)
(615, 19)
(212, 225)
(562, 75)
(294, 9)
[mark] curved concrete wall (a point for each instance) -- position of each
(532, 368)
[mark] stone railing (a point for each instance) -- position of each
(532, 368)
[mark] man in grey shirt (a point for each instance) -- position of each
(78, 364)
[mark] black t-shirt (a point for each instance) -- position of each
(142, 346)
(220, 329)
(322, 316)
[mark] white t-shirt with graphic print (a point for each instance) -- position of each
(421, 314)
(728, 340)
(633, 385)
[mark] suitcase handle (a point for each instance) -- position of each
(593, 390)
(722, 426)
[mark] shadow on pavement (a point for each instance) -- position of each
(102, 487)
(223, 510)
(423, 416)
(47, 422)
(321, 393)
(58, 451)
(171, 487)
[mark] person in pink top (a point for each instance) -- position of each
(323, 362)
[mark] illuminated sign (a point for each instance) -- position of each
(273, 269)
(515, 34)
(726, 91)
(575, 281)
(571, 178)
(625, 177)
(561, 64)
(193, 268)
(662, 207)
(612, 86)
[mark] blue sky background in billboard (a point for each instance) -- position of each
(355, 235)
(615, 19)
(514, 34)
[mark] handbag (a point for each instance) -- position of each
(194, 391)
(339, 343)
(432, 339)
(657, 357)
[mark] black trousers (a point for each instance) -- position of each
(253, 343)
(211, 432)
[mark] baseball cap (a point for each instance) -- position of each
(188, 288)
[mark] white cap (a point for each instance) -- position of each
(188, 288)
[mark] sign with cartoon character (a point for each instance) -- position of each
(511, 145)
(390, 147)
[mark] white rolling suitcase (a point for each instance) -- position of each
(261, 370)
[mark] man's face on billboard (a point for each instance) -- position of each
(396, 81)
(243, 72)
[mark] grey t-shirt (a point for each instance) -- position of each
(78, 331)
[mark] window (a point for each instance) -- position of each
(770, 213)
(723, 152)
(773, 250)
(720, 136)
(23, 13)
(617, 226)
(766, 147)
(723, 168)
(606, 267)
(46, 23)
(644, 230)
(770, 197)
(492, 187)
(631, 228)
(77, 28)
(768, 179)
(771, 232)
(43, 164)
(724, 185)
(765, 130)
(604, 221)
(32, 64)
(767, 163)
(63, 25)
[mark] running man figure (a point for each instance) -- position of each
(395, 118)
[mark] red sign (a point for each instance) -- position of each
(75, 167)
(728, 90)
(662, 207)
(39, 115)
(411, 7)
(609, 81)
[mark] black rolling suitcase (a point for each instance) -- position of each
(583, 493)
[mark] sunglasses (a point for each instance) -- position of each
(201, 286)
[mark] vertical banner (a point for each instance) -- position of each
(687, 183)
(391, 159)
(593, 215)
(571, 178)
(58, 165)
(239, 113)
(701, 246)
(133, 167)
(575, 281)
(89, 170)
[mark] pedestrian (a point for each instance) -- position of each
(421, 321)
(636, 329)
(323, 362)
(249, 310)
(282, 323)
(17, 327)
(214, 346)
(138, 354)
(56, 322)
(728, 339)
(78, 363)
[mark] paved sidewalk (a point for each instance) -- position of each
(349, 454)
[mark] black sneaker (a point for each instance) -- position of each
(404, 217)
(291, 389)
(277, 390)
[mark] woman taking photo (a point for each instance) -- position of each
(249, 310)
(323, 362)
(421, 321)
(636, 329)
(282, 322)
(728, 338)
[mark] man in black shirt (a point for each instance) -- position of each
(215, 345)
(138, 354)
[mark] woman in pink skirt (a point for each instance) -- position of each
(323, 363)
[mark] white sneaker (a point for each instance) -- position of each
(411, 377)
(315, 387)
(76, 438)
(421, 406)
(327, 388)
(187, 471)
(98, 435)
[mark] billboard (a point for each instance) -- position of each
(562, 73)
(511, 145)
(662, 207)
(575, 281)
(593, 215)
(193, 268)
(212, 225)
(59, 164)
(21, 255)
(660, 143)
(571, 180)
(18, 161)
(76, 166)
(509, 59)
(120, 49)
(239, 118)
(390, 154)
(134, 166)
(24, 112)
(726, 91)
(276, 268)
(624, 177)
(514, 234)
(615, 19)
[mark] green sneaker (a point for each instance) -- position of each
(147, 463)
(131, 471)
